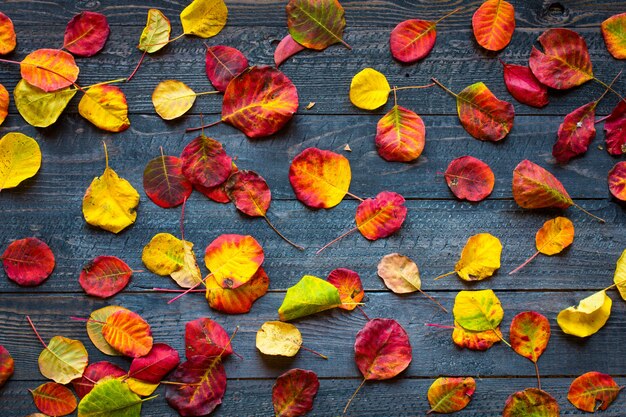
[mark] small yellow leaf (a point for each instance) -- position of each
(588, 317)
(620, 275)
(105, 106)
(369, 89)
(164, 254)
(141, 387)
(204, 18)
(480, 257)
(172, 99)
(110, 202)
(156, 33)
(278, 338)
(40, 108)
(189, 274)
(20, 159)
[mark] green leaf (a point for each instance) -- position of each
(110, 398)
(310, 295)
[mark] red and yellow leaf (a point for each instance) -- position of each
(412, 40)
(94, 329)
(199, 388)
(240, 299)
(54, 399)
(564, 62)
(524, 86)
(575, 134)
(614, 32)
(531, 402)
(105, 276)
(128, 333)
(483, 115)
(293, 392)
(316, 24)
(153, 367)
(379, 217)
(470, 178)
(205, 338)
(382, 349)
(493, 24)
(534, 187)
(475, 340)
(592, 388)
(617, 181)
(529, 334)
(223, 63)
(105, 106)
(205, 162)
(164, 181)
(449, 395)
(28, 262)
(7, 35)
(94, 373)
(4, 103)
(7, 365)
(349, 285)
(86, 34)
(249, 192)
(400, 135)
(233, 259)
(615, 130)
(49, 69)
(286, 48)
(268, 102)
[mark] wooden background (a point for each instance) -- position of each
(49, 205)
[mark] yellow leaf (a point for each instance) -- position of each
(141, 387)
(20, 159)
(110, 202)
(156, 34)
(480, 257)
(369, 89)
(620, 275)
(588, 317)
(278, 338)
(189, 274)
(477, 311)
(172, 99)
(40, 108)
(63, 360)
(204, 18)
(554, 236)
(164, 254)
(105, 106)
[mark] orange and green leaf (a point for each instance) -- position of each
(592, 388)
(614, 32)
(531, 402)
(483, 115)
(316, 24)
(529, 334)
(449, 395)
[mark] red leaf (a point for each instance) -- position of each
(294, 392)
(381, 216)
(7, 365)
(565, 61)
(224, 63)
(349, 285)
(164, 182)
(237, 300)
(575, 133)
(153, 367)
(382, 349)
(250, 193)
(617, 181)
(470, 178)
(86, 34)
(54, 399)
(217, 193)
(615, 130)
(286, 49)
(94, 373)
(207, 385)
(535, 187)
(593, 387)
(205, 338)
(259, 101)
(412, 40)
(524, 86)
(105, 276)
(205, 162)
(28, 262)
(400, 135)
(483, 115)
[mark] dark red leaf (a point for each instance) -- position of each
(205, 162)
(615, 130)
(164, 182)
(105, 276)
(153, 367)
(382, 349)
(224, 63)
(294, 392)
(250, 193)
(575, 133)
(286, 49)
(86, 34)
(94, 373)
(470, 178)
(28, 262)
(524, 86)
(617, 181)
(205, 338)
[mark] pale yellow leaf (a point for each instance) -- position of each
(172, 99)
(278, 338)
(589, 316)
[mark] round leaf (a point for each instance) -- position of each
(529, 334)
(49, 69)
(164, 182)
(400, 135)
(205, 338)
(554, 236)
(617, 181)
(105, 276)
(531, 402)
(164, 254)
(204, 18)
(105, 106)
(399, 273)
(7, 365)
(205, 162)
(614, 32)
(478, 311)
(480, 257)
(369, 89)
(593, 387)
(588, 317)
(316, 24)
(294, 392)
(349, 285)
(86, 34)
(54, 399)
(28, 262)
(172, 99)
(223, 63)
(278, 338)
(449, 395)
(128, 333)
(94, 373)
(233, 259)
(493, 24)
(20, 159)
(382, 349)
(63, 360)
(249, 192)
(238, 300)
(40, 108)
(379, 217)
(470, 178)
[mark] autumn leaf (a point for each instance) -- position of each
(20, 159)
(38, 107)
(619, 278)
(285, 49)
(86, 33)
(531, 402)
(470, 178)
(524, 86)
(233, 259)
(141, 388)
(249, 192)
(188, 275)
(7, 35)
(7, 365)
(4, 103)
(400, 135)
(614, 33)
(63, 359)
(349, 285)
(309, 296)
(199, 389)
(269, 102)
(554, 236)
(96, 321)
(223, 63)
(205, 338)
(49, 69)
(164, 181)
(369, 89)
(278, 338)
(172, 98)
(238, 300)
(316, 24)
(615, 130)
(588, 317)
(449, 395)
(93, 373)
(529, 334)
(105, 276)
(156, 33)
(480, 258)
(164, 254)
(293, 392)
(475, 340)
(204, 18)
(98, 402)
(110, 202)
(564, 62)
(128, 333)
(617, 181)
(54, 399)
(105, 106)
(493, 24)
(153, 367)
(320, 178)
(205, 162)
(28, 262)
(481, 113)
(478, 311)
(590, 388)
(380, 217)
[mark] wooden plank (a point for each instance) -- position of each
(433, 235)
(398, 397)
(332, 333)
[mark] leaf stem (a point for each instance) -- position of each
(188, 290)
(337, 239)
(345, 410)
(501, 338)
(192, 129)
(412, 87)
(295, 245)
(356, 197)
(433, 300)
(36, 332)
(106, 155)
(601, 220)
(173, 290)
(609, 87)
(364, 313)
(537, 373)
(444, 275)
(143, 56)
(448, 15)
(204, 93)
(117, 80)
(436, 81)
(526, 262)
(439, 326)
(600, 120)
(314, 352)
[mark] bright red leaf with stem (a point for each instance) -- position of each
(93, 373)
(223, 63)
(349, 285)
(524, 86)
(592, 387)
(153, 367)
(470, 178)
(617, 181)
(54, 399)
(615, 130)
(28, 262)
(493, 24)
(238, 300)
(529, 334)
(205, 162)
(285, 49)
(205, 338)
(105, 276)
(86, 33)
(293, 392)
(164, 181)
(7, 365)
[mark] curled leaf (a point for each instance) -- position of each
(369, 89)
(128, 333)
(223, 63)
(531, 402)
(316, 24)
(28, 262)
(188, 275)
(233, 259)
(400, 135)
(249, 192)
(204, 18)
(7, 35)
(238, 300)
(156, 33)
(205, 162)
(617, 180)
(592, 388)
(38, 107)
(575, 133)
(478, 311)
(49, 69)
(382, 349)
(470, 178)
(164, 181)
(379, 217)
(278, 338)
(293, 392)
(483, 115)
(349, 285)
(529, 334)
(449, 395)
(105, 276)
(7, 365)
(524, 86)
(20, 159)
(54, 399)
(309, 296)
(172, 99)
(105, 106)
(588, 317)
(286, 48)
(493, 24)
(614, 33)
(86, 33)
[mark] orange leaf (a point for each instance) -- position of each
(617, 181)
(381, 216)
(349, 285)
(554, 236)
(128, 333)
(534, 187)
(529, 334)
(7, 35)
(54, 399)
(49, 69)
(240, 299)
(494, 24)
(448, 395)
(4, 103)
(589, 388)
(400, 135)
(614, 32)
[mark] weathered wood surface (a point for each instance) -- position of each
(48, 206)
